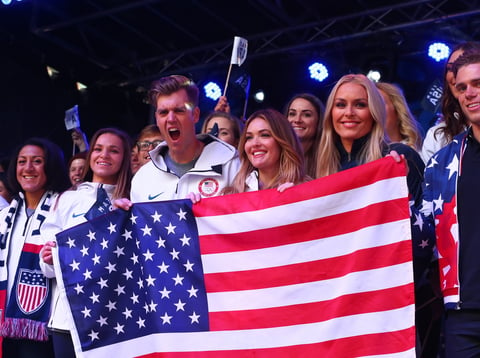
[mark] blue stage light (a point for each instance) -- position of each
(9, 2)
(318, 71)
(212, 90)
(438, 51)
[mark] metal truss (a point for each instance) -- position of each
(350, 29)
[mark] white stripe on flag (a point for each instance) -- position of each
(356, 282)
(308, 251)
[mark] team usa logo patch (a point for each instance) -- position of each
(208, 187)
(32, 290)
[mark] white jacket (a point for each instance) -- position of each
(68, 211)
(433, 142)
(215, 169)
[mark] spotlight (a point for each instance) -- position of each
(259, 96)
(81, 87)
(8, 2)
(212, 90)
(374, 75)
(318, 71)
(52, 72)
(438, 51)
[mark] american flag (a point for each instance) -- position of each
(323, 269)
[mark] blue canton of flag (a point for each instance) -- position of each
(134, 273)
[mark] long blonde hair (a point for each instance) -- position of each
(407, 124)
(291, 167)
(328, 161)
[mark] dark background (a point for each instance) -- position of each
(117, 47)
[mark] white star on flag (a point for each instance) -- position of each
(112, 228)
(156, 217)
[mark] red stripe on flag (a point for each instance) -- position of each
(346, 305)
(328, 185)
(366, 259)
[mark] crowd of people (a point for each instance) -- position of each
(361, 121)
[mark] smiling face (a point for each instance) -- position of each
(106, 158)
(30, 170)
(143, 153)
(304, 119)
(176, 118)
(350, 114)
(76, 170)
(261, 148)
(468, 87)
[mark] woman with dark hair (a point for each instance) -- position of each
(122, 177)
(305, 113)
(453, 120)
(107, 177)
(37, 173)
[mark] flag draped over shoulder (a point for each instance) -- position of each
(323, 269)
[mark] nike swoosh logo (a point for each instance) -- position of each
(77, 215)
(151, 197)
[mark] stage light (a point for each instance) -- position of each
(212, 90)
(81, 87)
(318, 71)
(259, 96)
(8, 2)
(374, 75)
(438, 51)
(52, 72)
